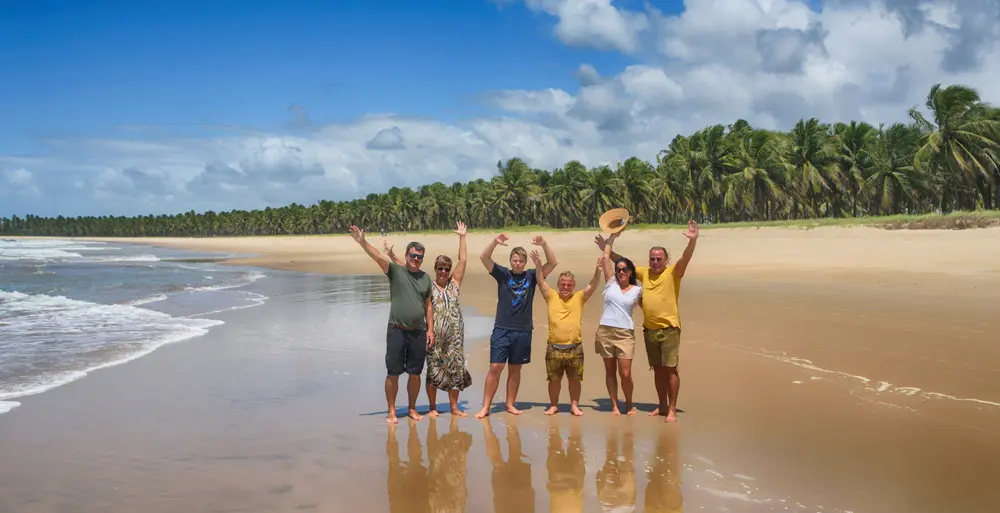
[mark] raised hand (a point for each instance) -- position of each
(537, 240)
(692, 231)
(600, 262)
(600, 241)
(501, 239)
(460, 228)
(536, 258)
(386, 247)
(357, 234)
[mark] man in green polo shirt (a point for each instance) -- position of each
(411, 321)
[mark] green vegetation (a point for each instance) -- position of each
(815, 175)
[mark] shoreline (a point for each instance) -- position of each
(830, 353)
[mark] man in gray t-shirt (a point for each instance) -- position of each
(411, 321)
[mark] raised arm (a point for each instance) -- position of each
(608, 265)
(487, 256)
(685, 259)
(543, 285)
(602, 243)
(595, 281)
(459, 272)
(359, 236)
(550, 256)
(387, 249)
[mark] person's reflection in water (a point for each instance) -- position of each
(567, 469)
(447, 455)
(406, 482)
(616, 480)
(663, 491)
(512, 490)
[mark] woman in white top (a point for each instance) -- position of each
(615, 339)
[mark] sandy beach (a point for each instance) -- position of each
(832, 369)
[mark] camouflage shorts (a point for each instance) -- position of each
(564, 360)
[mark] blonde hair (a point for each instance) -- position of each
(567, 274)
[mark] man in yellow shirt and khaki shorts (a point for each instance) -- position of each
(564, 351)
(661, 326)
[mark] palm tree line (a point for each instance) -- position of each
(945, 162)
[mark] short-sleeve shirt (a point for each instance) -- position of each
(515, 292)
(565, 317)
(618, 305)
(408, 293)
(659, 298)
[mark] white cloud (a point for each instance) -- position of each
(767, 61)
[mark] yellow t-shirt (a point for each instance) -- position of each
(659, 298)
(565, 318)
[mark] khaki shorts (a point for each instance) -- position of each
(559, 361)
(611, 342)
(662, 346)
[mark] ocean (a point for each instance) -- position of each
(68, 308)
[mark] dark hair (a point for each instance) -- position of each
(630, 266)
(415, 246)
(666, 254)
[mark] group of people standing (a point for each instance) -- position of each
(426, 323)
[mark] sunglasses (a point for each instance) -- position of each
(416, 256)
(445, 269)
(622, 270)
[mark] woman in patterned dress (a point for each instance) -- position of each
(446, 358)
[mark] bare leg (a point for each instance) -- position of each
(660, 379)
(432, 400)
(391, 388)
(513, 383)
(453, 401)
(674, 382)
(490, 388)
(413, 391)
(625, 372)
(611, 381)
(575, 386)
(554, 387)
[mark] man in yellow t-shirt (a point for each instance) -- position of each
(661, 327)
(564, 352)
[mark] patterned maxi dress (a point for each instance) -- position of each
(446, 359)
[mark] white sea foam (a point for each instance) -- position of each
(6, 406)
(67, 339)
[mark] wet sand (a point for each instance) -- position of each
(838, 369)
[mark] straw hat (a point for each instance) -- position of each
(614, 220)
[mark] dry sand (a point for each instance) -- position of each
(853, 366)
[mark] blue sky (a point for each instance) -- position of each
(159, 107)
(89, 68)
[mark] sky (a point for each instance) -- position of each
(134, 108)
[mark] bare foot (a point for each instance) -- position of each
(575, 410)
(671, 415)
(632, 411)
(485, 412)
(414, 415)
(654, 412)
(433, 413)
(458, 413)
(391, 419)
(512, 410)
(616, 412)
(552, 410)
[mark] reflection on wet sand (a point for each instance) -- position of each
(443, 483)
(663, 489)
(616, 480)
(512, 490)
(439, 489)
(567, 469)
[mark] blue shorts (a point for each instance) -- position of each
(510, 346)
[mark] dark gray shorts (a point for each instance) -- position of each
(405, 351)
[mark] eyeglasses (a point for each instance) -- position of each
(445, 269)
(622, 270)
(416, 256)
(655, 259)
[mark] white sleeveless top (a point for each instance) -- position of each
(618, 305)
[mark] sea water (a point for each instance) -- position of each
(68, 308)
